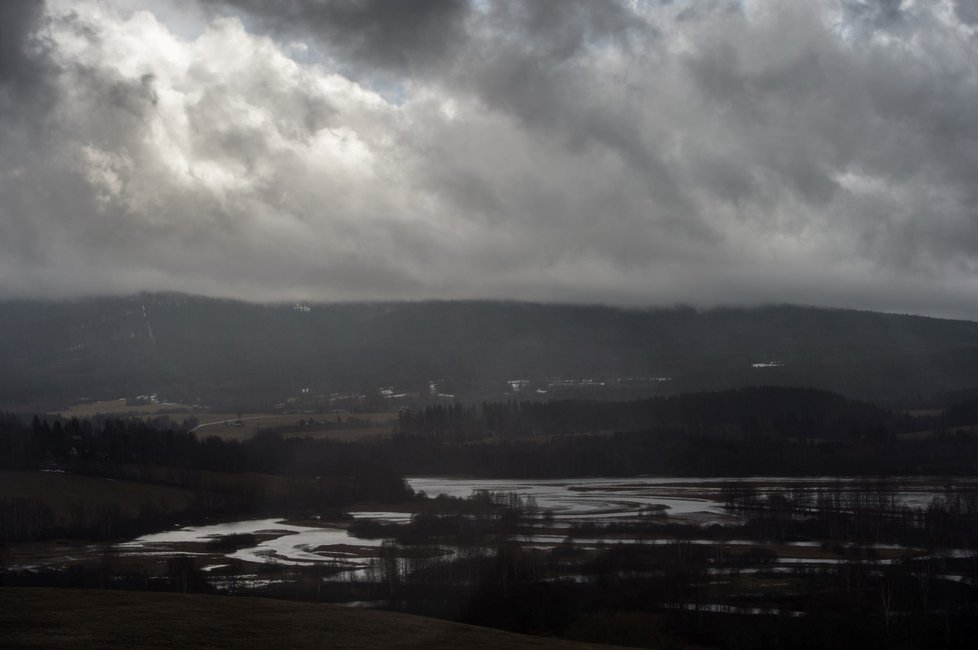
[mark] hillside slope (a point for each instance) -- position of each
(61, 618)
(239, 353)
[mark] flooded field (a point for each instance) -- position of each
(616, 499)
(281, 542)
(595, 499)
(592, 515)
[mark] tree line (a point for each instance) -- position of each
(225, 478)
(754, 413)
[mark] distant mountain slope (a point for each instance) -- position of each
(65, 618)
(190, 347)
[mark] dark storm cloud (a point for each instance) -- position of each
(527, 58)
(18, 21)
(632, 151)
(874, 13)
(397, 36)
(26, 97)
(22, 63)
(967, 11)
(514, 55)
(535, 61)
(560, 29)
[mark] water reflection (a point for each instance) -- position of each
(286, 543)
(591, 500)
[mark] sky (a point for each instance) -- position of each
(626, 152)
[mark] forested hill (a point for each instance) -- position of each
(193, 348)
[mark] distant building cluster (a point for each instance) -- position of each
(767, 364)
(558, 383)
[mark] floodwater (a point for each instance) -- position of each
(600, 500)
(285, 543)
(616, 499)
(576, 501)
(257, 563)
(572, 501)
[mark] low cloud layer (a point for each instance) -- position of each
(627, 152)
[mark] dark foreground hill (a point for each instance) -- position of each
(62, 618)
(239, 354)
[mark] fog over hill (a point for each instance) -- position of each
(247, 355)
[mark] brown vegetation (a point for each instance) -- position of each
(357, 426)
(121, 407)
(59, 618)
(65, 493)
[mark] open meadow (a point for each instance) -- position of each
(63, 618)
(64, 494)
(120, 407)
(346, 427)
(242, 426)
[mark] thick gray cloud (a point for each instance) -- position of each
(398, 36)
(18, 21)
(633, 152)
(22, 58)
(967, 11)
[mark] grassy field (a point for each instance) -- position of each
(74, 498)
(230, 427)
(64, 493)
(61, 618)
(270, 484)
(345, 435)
(971, 429)
(235, 426)
(119, 407)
